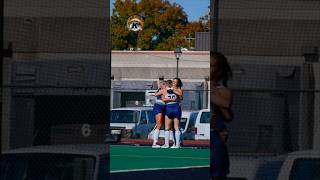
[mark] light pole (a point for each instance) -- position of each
(177, 54)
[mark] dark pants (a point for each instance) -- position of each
(219, 164)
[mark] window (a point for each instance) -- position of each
(151, 117)
(124, 116)
(193, 118)
(143, 118)
(183, 122)
(305, 168)
(205, 117)
(192, 121)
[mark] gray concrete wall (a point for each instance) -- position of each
(152, 65)
(57, 34)
(57, 26)
(272, 37)
(67, 29)
(268, 27)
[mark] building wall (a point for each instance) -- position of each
(57, 26)
(270, 37)
(202, 41)
(57, 34)
(154, 64)
(49, 40)
(267, 27)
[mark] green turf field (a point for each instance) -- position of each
(130, 158)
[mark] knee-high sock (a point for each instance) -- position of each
(156, 136)
(166, 137)
(171, 135)
(177, 134)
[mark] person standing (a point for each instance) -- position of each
(221, 100)
(159, 111)
(177, 90)
(171, 112)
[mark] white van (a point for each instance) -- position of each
(202, 125)
(134, 122)
(186, 123)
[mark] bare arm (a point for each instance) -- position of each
(227, 114)
(159, 92)
(168, 100)
(178, 91)
(222, 97)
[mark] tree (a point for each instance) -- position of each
(188, 33)
(121, 12)
(165, 25)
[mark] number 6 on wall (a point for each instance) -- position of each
(86, 131)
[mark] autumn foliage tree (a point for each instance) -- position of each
(165, 25)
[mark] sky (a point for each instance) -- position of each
(193, 8)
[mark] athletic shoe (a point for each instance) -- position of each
(175, 147)
(156, 146)
(165, 146)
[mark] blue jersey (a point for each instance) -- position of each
(173, 109)
(159, 106)
(171, 95)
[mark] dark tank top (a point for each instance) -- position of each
(220, 120)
